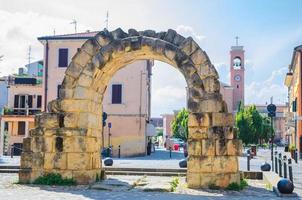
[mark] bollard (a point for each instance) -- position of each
(170, 149)
(248, 161)
(12, 151)
(290, 170)
(119, 151)
(284, 167)
(296, 156)
(276, 162)
(280, 164)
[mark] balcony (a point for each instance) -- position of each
(21, 111)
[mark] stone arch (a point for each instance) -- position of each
(76, 115)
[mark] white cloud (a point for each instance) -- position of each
(260, 92)
(189, 31)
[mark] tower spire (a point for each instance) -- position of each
(236, 38)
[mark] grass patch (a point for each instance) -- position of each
(236, 187)
(54, 179)
(174, 183)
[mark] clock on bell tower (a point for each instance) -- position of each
(237, 74)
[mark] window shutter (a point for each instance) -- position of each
(63, 57)
(30, 101)
(21, 128)
(16, 101)
(58, 90)
(116, 94)
(39, 101)
(22, 104)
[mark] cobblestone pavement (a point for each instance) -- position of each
(11, 191)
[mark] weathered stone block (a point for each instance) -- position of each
(221, 147)
(225, 164)
(26, 160)
(198, 133)
(37, 144)
(75, 105)
(222, 119)
(208, 147)
(104, 37)
(73, 70)
(79, 161)
(27, 144)
(47, 120)
(71, 120)
(199, 120)
(211, 105)
(91, 47)
(84, 176)
(193, 180)
(234, 147)
(206, 164)
(199, 57)
(211, 85)
(188, 46)
(82, 93)
(92, 144)
(194, 147)
(74, 144)
(88, 120)
(193, 164)
(49, 144)
(65, 93)
(37, 161)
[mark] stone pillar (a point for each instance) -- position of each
(213, 150)
(2, 137)
(53, 148)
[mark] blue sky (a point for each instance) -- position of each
(269, 30)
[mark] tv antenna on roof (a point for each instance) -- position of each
(75, 25)
(29, 55)
(107, 19)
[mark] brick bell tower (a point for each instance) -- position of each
(237, 74)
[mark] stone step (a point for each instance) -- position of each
(9, 167)
(142, 173)
(180, 170)
(2, 171)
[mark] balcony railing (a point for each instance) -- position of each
(21, 111)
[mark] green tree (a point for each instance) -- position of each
(180, 125)
(253, 127)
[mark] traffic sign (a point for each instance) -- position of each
(271, 108)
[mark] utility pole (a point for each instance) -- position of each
(271, 108)
(75, 25)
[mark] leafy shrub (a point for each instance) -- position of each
(54, 179)
(235, 186)
(174, 183)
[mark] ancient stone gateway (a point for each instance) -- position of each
(67, 140)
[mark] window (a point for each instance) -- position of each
(116, 94)
(237, 86)
(21, 128)
(39, 101)
(63, 57)
(58, 90)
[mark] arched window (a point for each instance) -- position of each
(237, 63)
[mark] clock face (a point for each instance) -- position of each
(237, 78)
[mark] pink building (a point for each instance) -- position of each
(126, 101)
